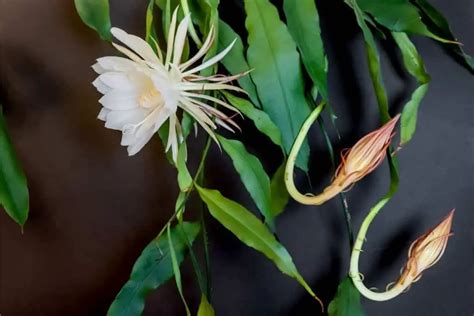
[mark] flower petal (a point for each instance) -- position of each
(115, 63)
(211, 61)
(202, 51)
(118, 119)
(180, 39)
(136, 44)
(120, 100)
(171, 32)
(101, 86)
(103, 114)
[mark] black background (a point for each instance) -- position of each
(93, 209)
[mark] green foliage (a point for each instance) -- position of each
(397, 16)
(261, 120)
(436, 21)
(279, 194)
(277, 73)
(185, 180)
(152, 269)
(373, 60)
(253, 176)
(176, 271)
(347, 300)
(14, 196)
(415, 66)
(205, 308)
(95, 14)
(235, 61)
(252, 232)
(303, 24)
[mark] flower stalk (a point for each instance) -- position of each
(424, 252)
(366, 155)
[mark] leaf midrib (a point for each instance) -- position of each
(264, 26)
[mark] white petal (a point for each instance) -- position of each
(139, 143)
(119, 100)
(172, 30)
(115, 63)
(98, 68)
(212, 99)
(180, 39)
(118, 119)
(100, 86)
(224, 125)
(202, 86)
(172, 138)
(103, 114)
(136, 81)
(127, 52)
(135, 43)
(211, 61)
(197, 113)
(205, 47)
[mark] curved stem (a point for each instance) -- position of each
(359, 242)
(290, 166)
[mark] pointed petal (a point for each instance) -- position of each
(212, 99)
(115, 63)
(100, 86)
(127, 52)
(136, 44)
(119, 100)
(204, 49)
(180, 39)
(169, 48)
(211, 61)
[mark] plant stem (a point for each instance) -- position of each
(342, 196)
(357, 249)
(188, 193)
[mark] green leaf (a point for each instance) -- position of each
(205, 14)
(252, 232)
(152, 269)
(185, 180)
(252, 174)
(397, 16)
(415, 66)
(303, 23)
(347, 300)
(277, 73)
(436, 21)
(205, 309)
(176, 271)
(373, 60)
(14, 195)
(261, 120)
(279, 194)
(95, 14)
(235, 61)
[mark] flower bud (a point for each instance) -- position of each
(360, 160)
(427, 250)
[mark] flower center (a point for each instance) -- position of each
(150, 98)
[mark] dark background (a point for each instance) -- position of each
(93, 209)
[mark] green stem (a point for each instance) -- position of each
(205, 241)
(188, 193)
(342, 196)
(290, 165)
(357, 249)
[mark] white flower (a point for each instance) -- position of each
(142, 91)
